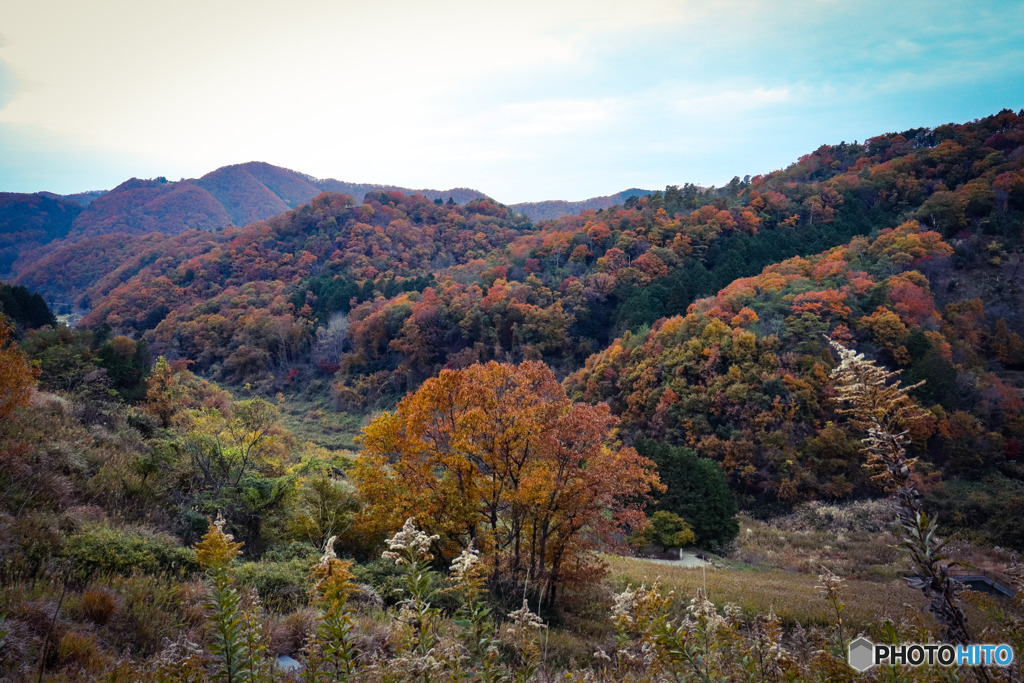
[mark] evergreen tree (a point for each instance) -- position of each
(697, 491)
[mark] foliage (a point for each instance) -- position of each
(324, 508)
(696, 490)
(668, 530)
(331, 650)
(498, 455)
(89, 362)
(28, 221)
(105, 549)
(17, 377)
(908, 245)
(234, 649)
(24, 308)
(742, 378)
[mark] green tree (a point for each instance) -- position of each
(697, 491)
(668, 530)
(238, 463)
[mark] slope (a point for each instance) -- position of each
(557, 208)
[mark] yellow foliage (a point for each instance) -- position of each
(217, 549)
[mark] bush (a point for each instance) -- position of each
(124, 551)
(152, 610)
(79, 651)
(282, 586)
(384, 575)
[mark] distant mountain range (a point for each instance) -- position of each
(231, 195)
(556, 208)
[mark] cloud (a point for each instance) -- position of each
(731, 103)
(525, 99)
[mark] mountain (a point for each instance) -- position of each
(699, 315)
(556, 208)
(31, 224)
(560, 291)
(29, 221)
(232, 195)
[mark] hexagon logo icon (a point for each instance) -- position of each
(861, 654)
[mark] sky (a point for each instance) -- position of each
(524, 100)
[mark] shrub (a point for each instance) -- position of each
(383, 575)
(79, 651)
(152, 610)
(282, 586)
(289, 633)
(124, 551)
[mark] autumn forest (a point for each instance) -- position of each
(259, 426)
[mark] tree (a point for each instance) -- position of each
(696, 490)
(497, 455)
(17, 377)
(668, 530)
(324, 509)
(877, 404)
(237, 462)
(24, 307)
(165, 392)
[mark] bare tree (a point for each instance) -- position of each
(330, 339)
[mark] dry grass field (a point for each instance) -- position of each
(793, 596)
(775, 566)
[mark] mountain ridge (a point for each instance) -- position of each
(239, 194)
(34, 225)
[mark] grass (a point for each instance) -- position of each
(315, 420)
(790, 545)
(793, 596)
(774, 565)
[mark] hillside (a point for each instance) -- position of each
(231, 195)
(528, 397)
(557, 208)
(42, 229)
(565, 290)
(908, 245)
(29, 221)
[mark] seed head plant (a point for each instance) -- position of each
(332, 651)
(234, 646)
(877, 403)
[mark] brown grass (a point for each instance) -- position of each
(791, 545)
(775, 565)
(793, 596)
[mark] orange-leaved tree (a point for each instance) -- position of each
(17, 377)
(497, 455)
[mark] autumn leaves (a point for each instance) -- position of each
(497, 455)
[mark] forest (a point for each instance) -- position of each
(403, 437)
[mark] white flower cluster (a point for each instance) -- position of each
(623, 605)
(409, 541)
(328, 552)
(830, 582)
(523, 618)
(702, 608)
(733, 613)
(462, 566)
(219, 524)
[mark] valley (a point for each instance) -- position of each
(300, 366)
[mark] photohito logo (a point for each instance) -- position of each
(863, 654)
